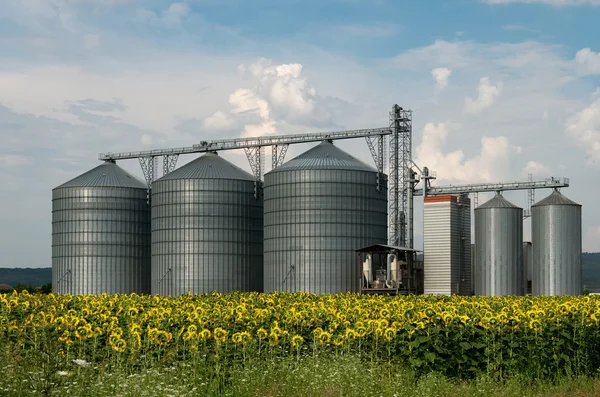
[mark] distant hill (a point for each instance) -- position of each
(35, 277)
(591, 270)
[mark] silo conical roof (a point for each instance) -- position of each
(209, 166)
(107, 174)
(325, 156)
(556, 198)
(498, 201)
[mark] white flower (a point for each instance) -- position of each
(81, 363)
(62, 373)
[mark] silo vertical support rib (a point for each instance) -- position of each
(255, 157)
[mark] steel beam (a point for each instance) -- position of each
(278, 155)
(169, 163)
(247, 143)
(494, 187)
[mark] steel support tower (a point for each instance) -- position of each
(401, 179)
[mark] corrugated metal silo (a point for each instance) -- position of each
(101, 233)
(556, 240)
(206, 229)
(498, 248)
(319, 208)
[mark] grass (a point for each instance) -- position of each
(325, 375)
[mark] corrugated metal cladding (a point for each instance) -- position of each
(527, 266)
(101, 233)
(207, 230)
(319, 208)
(556, 239)
(465, 285)
(446, 245)
(498, 248)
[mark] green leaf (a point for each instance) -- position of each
(478, 345)
(429, 356)
(465, 345)
(415, 362)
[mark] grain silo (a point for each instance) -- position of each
(447, 245)
(101, 233)
(206, 229)
(319, 208)
(556, 241)
(498, 248)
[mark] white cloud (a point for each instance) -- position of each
(13, 160)
(171, 17)
(584, 126)
(492, 163)
(441, 76)
(91, 41)
(588, 59)
(453, 54)
(558, 3)
(487, 93)
(537, 170)
(218, 121)
(279, 95)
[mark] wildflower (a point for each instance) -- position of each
(81, 363)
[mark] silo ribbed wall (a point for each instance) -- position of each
(498, 248)
(556, 243)
(206, 230)
(101, 234)
(316, 216)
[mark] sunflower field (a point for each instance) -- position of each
(459, 337)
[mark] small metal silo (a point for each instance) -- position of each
(319, 208)
(498, 248)
(556, 241)
(101, 233)
(206, 229)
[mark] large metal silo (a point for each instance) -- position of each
(101, 233)
(556, 241)
(498, 248)
(206, 229)
(319, 208)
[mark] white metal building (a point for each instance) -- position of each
(447, 245)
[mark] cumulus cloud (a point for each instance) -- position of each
(487, 93)
(584, 126)
(536, 170)
(589, 59)
(441, 76)
(218, 121)
(278, 95)
(492, 164)
(558, 3)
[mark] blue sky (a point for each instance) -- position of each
(499, 89)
